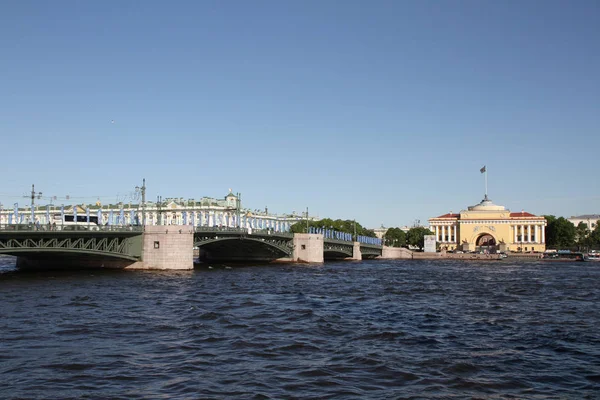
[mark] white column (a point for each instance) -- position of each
(529, 233)
(437, 234)
(536, 233)
(543, 228)
(515, 233)
(443, 233)
(522, 233)
(455, 240)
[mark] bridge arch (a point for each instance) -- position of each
(336, 253)
(111, 248)
(233, 248)
(58, 252)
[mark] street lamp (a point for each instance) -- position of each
(143, 191)
(33, 196)
(306, 219)
(158, 208)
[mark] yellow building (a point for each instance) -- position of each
(487, 226)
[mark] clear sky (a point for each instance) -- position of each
(383, 111)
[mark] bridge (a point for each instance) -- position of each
(103, 246)
(168, 246)
(225, 243)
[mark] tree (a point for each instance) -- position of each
(581, 235)
(594, 237)
(560, 233)
(394, 237)
(339, 225)
(416, 236)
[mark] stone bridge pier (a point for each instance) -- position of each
(167, 247)
(308, 247)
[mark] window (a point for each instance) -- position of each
(156, 244)
(303, 247)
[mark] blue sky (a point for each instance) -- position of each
(383, 111)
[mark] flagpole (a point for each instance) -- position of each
(486, 183)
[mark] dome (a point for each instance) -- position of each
(487, 205)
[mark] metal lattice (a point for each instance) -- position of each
(338, 246)
(121, 247)
(370, 250)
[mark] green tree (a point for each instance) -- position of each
(582, 234)
(416, 236)
(395, 237)
(560, 233)
(339, 225)
(594, 238)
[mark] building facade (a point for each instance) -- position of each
(591, 220)
(489, 227)
(206, 212)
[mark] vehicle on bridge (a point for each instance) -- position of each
(71, 223)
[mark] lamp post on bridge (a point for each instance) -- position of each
(238, 203)
(143, 191)
(306, 219)
(33, 195)
(158, 208)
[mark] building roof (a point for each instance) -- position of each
(449, 215)
(586, 216)
(486, 205)
(522, 214)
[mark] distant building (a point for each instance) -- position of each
(487, 226)
(206, 212)
(379, 232)
(591, 220)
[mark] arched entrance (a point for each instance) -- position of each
(486, 242)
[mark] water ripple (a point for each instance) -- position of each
(375, 329)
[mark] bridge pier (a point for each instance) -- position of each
(395, 253)
(167, 247)
(356, 253)
(308, 247)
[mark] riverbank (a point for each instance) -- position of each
(454, 256)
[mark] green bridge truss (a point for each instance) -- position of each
(370, 250)
(116, 242)
(338, 247)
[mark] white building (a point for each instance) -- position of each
(206, 212)
(591, 220)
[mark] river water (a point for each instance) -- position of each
(343, 330)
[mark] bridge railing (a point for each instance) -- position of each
(369, 241)
(69, 228)
(248, 231)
